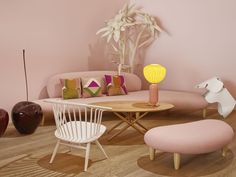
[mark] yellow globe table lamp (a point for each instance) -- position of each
(154, 74)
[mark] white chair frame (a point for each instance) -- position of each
(78, 125)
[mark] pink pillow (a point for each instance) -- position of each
(115, 85)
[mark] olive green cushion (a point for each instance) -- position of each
(71, 88)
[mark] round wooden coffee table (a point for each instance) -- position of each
(131, 112)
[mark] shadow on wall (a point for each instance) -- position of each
(99, 57)
(43, 93)
(140, 59)
(141, 56)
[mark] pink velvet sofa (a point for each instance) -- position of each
(181, 100)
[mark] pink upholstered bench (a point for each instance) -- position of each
(197, 137)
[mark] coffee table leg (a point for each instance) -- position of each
(129, 121)
(137, 117)
(117, 125)
(141, 125)
(124, 128)
(121, 116)
(119, 132)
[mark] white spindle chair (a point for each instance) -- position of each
(78, 125)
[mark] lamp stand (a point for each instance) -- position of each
(153, 94)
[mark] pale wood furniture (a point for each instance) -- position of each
(176, 160)
(177, 157)
(130, 112)
(196, 137)
(78, 125)
(26, 156)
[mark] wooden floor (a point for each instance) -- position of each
(29, 155)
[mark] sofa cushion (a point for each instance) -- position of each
(71, 88)
(133, 82)
(91, 87)
(115, 85)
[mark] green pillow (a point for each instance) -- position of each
(71, 88)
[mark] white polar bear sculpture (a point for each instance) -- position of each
(217, 93)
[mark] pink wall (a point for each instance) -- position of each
(58, 35)
(200, 41)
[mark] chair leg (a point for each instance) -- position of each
(101, 148)
(55, 151)
(86, 157)
(176, 160)
(70, 149)
(152, 153)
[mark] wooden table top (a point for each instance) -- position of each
(134, 106)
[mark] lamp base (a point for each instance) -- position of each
(153, 94)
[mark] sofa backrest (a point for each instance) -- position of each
(54, 87)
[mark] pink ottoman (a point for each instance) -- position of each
(190, 138)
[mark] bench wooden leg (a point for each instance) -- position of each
(224, 151)
(152, 153)
(204, 112)
(176, 160)
(42, 121)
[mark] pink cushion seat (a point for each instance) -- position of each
(190, 138)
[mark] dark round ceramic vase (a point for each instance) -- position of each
(26, 116)
(4, 119)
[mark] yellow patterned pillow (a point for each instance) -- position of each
(71, 88)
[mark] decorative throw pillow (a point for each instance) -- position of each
(71, 88)
(104, 87)
(92, 87)
(115, 85)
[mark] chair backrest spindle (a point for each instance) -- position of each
(76, 121)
